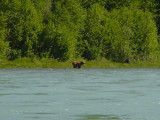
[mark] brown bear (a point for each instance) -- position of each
(127, 60)
(77, 64)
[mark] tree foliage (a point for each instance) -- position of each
(131, 33)
(94, 32)
(3, 44)
(69, 29)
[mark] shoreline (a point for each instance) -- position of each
(52, 63)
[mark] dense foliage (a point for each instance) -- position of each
(89, 29)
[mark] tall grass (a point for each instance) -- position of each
(52, 63)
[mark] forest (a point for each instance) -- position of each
(71, 29)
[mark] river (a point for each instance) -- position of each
(85, 94)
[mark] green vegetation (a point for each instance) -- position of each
(52, 63)
(52, 33)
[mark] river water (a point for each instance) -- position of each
(85, 94)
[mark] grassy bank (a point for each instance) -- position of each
(51, 63)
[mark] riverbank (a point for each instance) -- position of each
(52, 63)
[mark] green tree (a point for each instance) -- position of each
(149, 5)
(4, 46)
(131, 33)
(57, 42)
(23, 25)
(66, 29)
(88, 3)
(68, 18)
(93, 35)
(43, 8)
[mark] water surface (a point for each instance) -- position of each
(86, 94)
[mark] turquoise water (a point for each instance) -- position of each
(86, 94)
